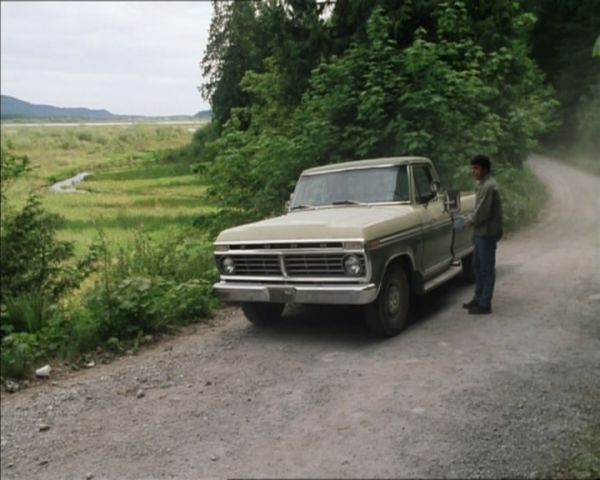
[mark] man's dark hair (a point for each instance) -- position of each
(483, 161)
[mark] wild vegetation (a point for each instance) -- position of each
(107, 265)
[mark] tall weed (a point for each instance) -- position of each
(28, 312)
(151, 285)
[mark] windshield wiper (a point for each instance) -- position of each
(348, 202)
(298, 207)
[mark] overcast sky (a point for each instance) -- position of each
(137, 58)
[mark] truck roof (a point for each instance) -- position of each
(372, 162)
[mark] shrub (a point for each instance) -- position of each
(19, 353)
(138, 305)
(70, 331)
(33, 260)
(179, 259)
(188, 301)
(151, 285)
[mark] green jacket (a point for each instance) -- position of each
(487, 216)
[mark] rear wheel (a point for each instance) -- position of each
(260, 313)
(388, 314)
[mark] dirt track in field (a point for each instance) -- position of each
(507, 395)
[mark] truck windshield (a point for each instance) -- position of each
(353, 186)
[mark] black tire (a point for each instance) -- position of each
(467, 268)
(388, 314)
(260, 313)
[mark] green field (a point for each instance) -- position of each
(132, 187)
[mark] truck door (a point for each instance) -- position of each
(435, 223)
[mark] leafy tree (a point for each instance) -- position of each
(446, 98)
(244, 34)
(295, 35)
(251, 170)
(232, 49)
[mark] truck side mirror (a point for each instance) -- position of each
(288, 203)
(452, 201)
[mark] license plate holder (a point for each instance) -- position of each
(282, 294)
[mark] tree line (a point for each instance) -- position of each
(298, 83)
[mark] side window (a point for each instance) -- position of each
(423, 180)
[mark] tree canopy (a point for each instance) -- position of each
(309, 82)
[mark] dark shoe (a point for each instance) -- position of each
(471, 304)
(480, 310)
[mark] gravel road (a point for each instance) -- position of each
(506, 395)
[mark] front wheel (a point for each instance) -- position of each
(260, 313)
(388, 314)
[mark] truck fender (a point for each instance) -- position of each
(407, 260)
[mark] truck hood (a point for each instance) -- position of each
(347, 222)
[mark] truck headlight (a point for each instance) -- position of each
(352, 265)
(227, 265)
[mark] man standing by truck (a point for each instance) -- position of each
(487, 222)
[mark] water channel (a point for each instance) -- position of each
(68, 184)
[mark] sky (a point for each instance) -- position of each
(130, 58)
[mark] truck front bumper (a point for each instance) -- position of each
(326, 294)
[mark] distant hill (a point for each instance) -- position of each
(13, 108)
(204, 115)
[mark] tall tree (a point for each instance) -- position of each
(296, 37)
(232, 50)
(244, 34)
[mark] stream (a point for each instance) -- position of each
(68, 184)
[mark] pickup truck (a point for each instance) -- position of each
(370, 232)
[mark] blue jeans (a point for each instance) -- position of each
(484, 268)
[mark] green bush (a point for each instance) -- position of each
(19, 354)
(32, 259)
(150, 285)
(180, 258)
(187, 301)
(70, 331)
(138, 305)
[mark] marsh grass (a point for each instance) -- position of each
(62, 151)
(131, 187)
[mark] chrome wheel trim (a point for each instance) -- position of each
(393, 300)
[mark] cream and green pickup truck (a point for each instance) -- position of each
(369, 232)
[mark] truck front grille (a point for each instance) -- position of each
(257, 265)
(319, 265)
(295, 265)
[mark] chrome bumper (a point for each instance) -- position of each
(327, 294)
